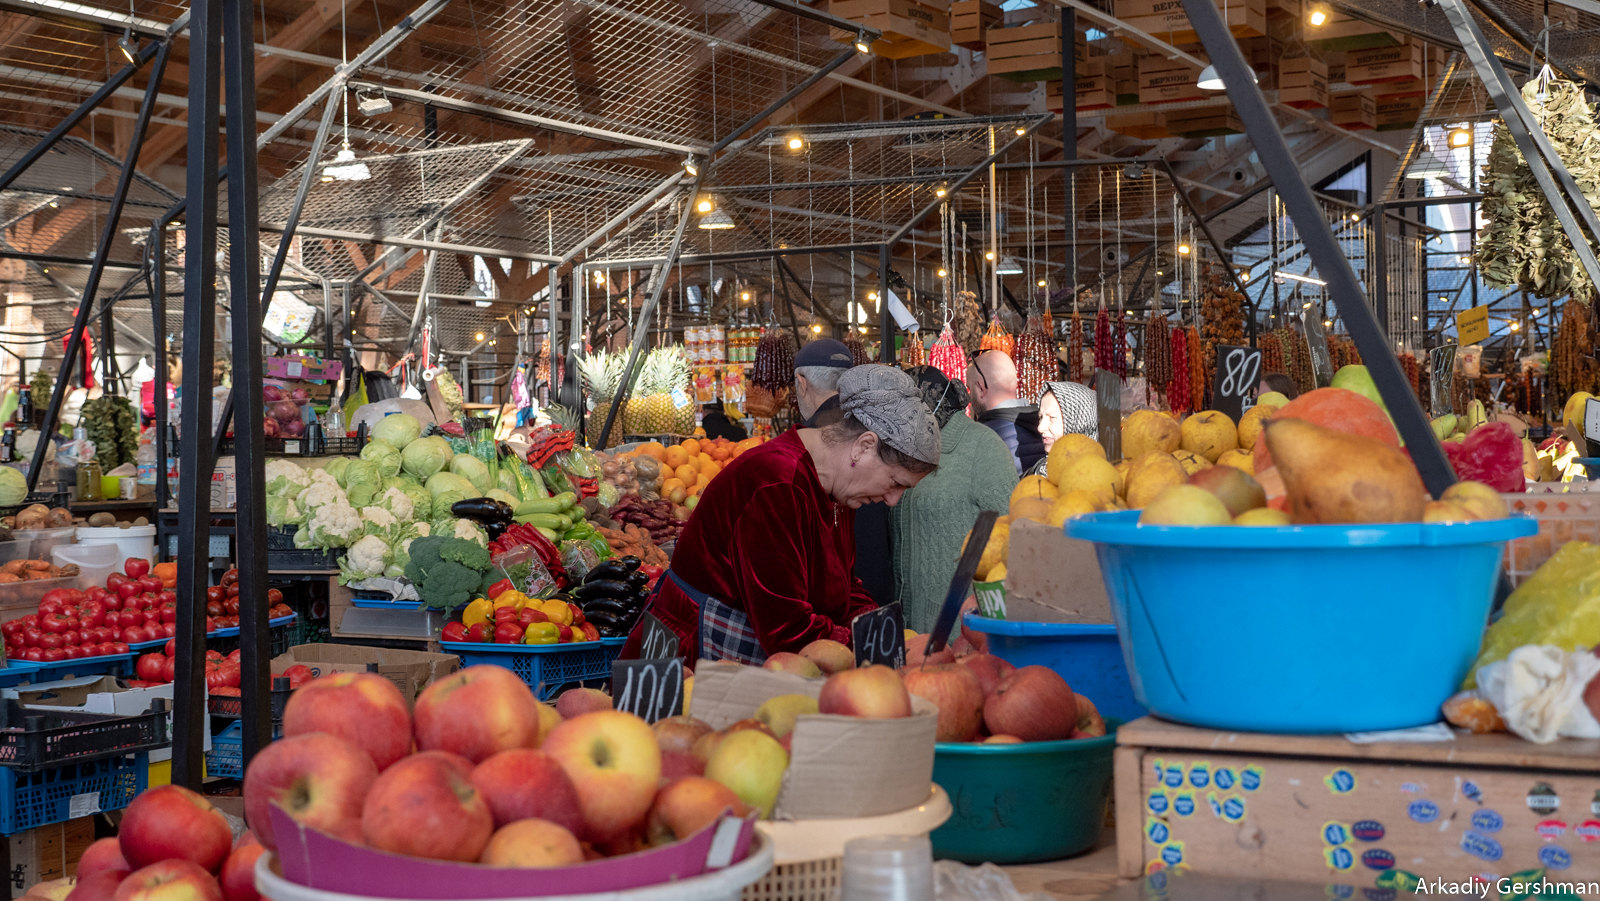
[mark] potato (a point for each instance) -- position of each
(60, 518)
(101, 520)
(32, 518)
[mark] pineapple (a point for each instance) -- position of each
(633, 413)
(601, 372)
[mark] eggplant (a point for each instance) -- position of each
(607, 606)
(485, 510)
(608, 569)
(601, 588)
(631, 562)
(605, 620)
(636, 580)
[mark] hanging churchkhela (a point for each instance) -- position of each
(1197, 368)
(1075, 346)
(858, 349)
(1178, 393)
(948, 357)
(1120, 364)
(1157, 355)
(996, 338)
(1103, 350)
(967, 322)
(1035, 354)
(773, 368)
(912, 353)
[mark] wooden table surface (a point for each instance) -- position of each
(1089, 875)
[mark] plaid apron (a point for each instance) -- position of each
(725, 632)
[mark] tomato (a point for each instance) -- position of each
(274, 596)
(171, 648)
(73, 652)
(48, 607)
(126, 589)
(11, 627)
(131, 634)
(52, 655)
(111, 602)
(135, 567)
(168, 596)
(298, 675)
(52, 640)
(83, 637)
(151, 584)
(215, 594)
(169, 669)
(32, 636)
(57, 597)
(33, 654)
(148, 667)
(169, 629)
(235, 655)
(92, 616)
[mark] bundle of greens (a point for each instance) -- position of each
(114, 429)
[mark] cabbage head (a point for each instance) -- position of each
(396, 501)
(383, 456)
(446, 488)
(282, 511)
(362, 482)
(473, 470)
(506, 480)
(451, 527)
(397, 430)
(426, 456)
(421, 500)
(335, 468)
(13, 487)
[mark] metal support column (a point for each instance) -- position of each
(885, 320)
(318, 141)
(199, 332)
(1323, 247)
(156, 250)
(91, 286)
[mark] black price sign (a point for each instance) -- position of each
(879, 636)
(1317, 343)
(649, 689)
(1238, 375)
(1108, 403)
(658, 642)
(1442, 379)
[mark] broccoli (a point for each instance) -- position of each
(446, 571)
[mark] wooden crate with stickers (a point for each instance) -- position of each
(1355, 111)
(909, 27)
(1303, 82)
(970, 21)
(1029, 52)
(1481, 811)
(1167, 20)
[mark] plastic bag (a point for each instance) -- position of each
(1538, 690)
(540, 583)
(957, 882)
(577, 558)
(1558, 605)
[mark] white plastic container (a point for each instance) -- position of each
(94, 561)
(36, 544)
(134, 541)
(721, 885)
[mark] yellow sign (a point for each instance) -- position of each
(1472, 326)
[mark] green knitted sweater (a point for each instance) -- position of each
(928, 525)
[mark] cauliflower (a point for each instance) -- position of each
(335, 525)
(285, 478)
(281, 511)
(469, 530)
(366, 559)
(319, 493)
(400, 537)
(395, 501)
(377, 519)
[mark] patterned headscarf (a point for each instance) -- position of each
(889, 404)
(1079, 413)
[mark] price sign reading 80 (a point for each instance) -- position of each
(649, 689)
(1237, 375)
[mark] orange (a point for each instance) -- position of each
(653, 449)
(709, 471)
(720, 453)
(691, 446)
(675, 457)
(670, 485)
(686, 474)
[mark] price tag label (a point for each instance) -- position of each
(1238, 376)
(991, 599)
(1317, 343)
(649, 689)
(1108, 403)
(879, 636)
(1591, 419)
(1442, 379)
(659, 642)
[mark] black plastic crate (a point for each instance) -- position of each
(282, 554)
(33, 739)
(233, 708)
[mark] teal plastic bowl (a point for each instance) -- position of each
(1298, 629)
(1023, 803)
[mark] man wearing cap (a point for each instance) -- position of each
(817, 368)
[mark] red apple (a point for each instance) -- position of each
(578, 701)
(705, 745)
(830, 656)
(101, 885)
(677, 764)
(364, 709)
(1034, 703)
(954, 689)
(750, 723)
(476, 713)
(870, 692)
(533, 843)
(103, 854)
(171, 822)
(978, 640)
(523, 784)
(239, 870)
(917, 652)
(169, 880)
(688, 805)
(785, 662)
(425, 806)
(615, 763)
(679, 733)
(1089, 724)
(319, 779)
(989, 669)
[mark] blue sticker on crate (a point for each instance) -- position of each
(1158, 802)
(1367, 830)
(1250, 779)
(1340, 782)
(1339, 858)
(1172, 855)
(1334, 833)
(1225, 778)
(1481, 846)
(1174, 775)
(1487, 821)
(1377, 859)
(1200, 775)
(1471, 791)
(1183, 805)
(1216, 806)
(1555, 857)
(1157, 832)
(1339, 892)
(1423, 811)
(1233, 809)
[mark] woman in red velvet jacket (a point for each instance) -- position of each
(765, 563)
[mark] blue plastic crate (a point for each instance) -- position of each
(225, 760)
(105, 665)
(63, 793)
(545, 668)
(16, 672)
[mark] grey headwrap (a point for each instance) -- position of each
(1079, 414)
(889, 404)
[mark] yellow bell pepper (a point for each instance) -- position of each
(510, 598)
(541, 633)
(558, 611)
(478, 611)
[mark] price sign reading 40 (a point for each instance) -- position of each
(1238, 374)
(879, 636)
(649, 689)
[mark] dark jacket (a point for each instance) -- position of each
(718, 425)
(1018, 427)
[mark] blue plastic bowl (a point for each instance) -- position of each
(1591, 466)
(1300, 629)
(1088, 657)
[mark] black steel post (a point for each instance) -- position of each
(1069, 85)
(885, 319)
(248, 307)
(270, 283)
(1380, 269)
(156, 248)
(199, 334)
(91, 285)
(1323, 247)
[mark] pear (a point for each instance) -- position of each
(1356, 378)
(1150, 475)
(1479, 499)
(1146, 431)
(1338, 477)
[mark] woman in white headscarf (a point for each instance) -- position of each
(1065, 408)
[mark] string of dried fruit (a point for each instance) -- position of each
(913, 353)
(1575, 371)
(1157, 354)
(1102, 340)
(967, 321)
(773, 367)
(1197, 369)
(1035, 354)
(858, 350)
(1178, 393)
(1481, 392)
(997, 338)
(1271, 352)
(1533, 395)
(1297, 360)
(1221, 316)
(1075, 347)
(1121, 361)
(948, 357)
(1408, 363)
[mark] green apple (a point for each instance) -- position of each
(751, 763)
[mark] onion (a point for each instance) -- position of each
(269, 428)
(271, 394)
(300, 396)
(286, 411)
(292, 428)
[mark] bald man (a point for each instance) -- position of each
(992, 382)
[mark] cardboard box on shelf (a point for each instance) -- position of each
(1342, 32)
(1162, 80)
(1384, 64)
(840, 766)
(49, 852)
(225, 483)
(1358, 816)
(1303, 82)
(1052, 578)
(909, 27)
(1167, 20)
(1398, 112)
(970, 20)
(410, 671)
(1355, 111)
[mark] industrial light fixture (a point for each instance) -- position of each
(599, 278)
(345, 166)
(744, 296)
(1008, 266)
(1413, 317)
(690, 167)
(1210, 81)
(861, 45)
(374, 105)
(796, 142)
(863, 330)
(1043, 283)
(478, 337)
(128, 44)
(872, 295)
(1327, 323)
(1355, 217)
(1021, 131)
(54, 205)
(1465, 259)
(943, 272)
(1460, 136)
(1183, 249)
(1306, 305)
(1317, 16)
(1515, 326)
(1159, 272)
(1300, 278)
(704, 205)
(989, 255)
(816, 328)
(492, 342)
(1244, 278)
(718, 220)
